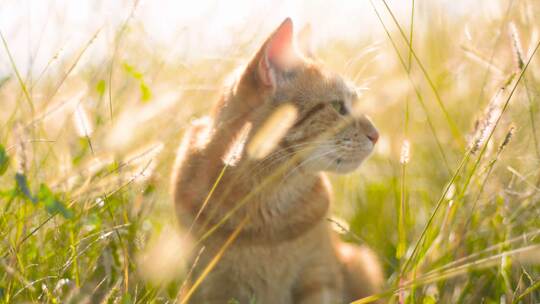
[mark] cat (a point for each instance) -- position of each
(275, 208)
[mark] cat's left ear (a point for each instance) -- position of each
(305, 41)
(278, 55)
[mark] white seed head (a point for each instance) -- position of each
(236, 149)
(405, 152)
(486, 125)
(272, 131)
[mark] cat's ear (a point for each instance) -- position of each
(277, 55)
(305, 41)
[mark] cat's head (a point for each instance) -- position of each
(336, 137)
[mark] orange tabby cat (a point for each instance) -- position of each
(285, 251)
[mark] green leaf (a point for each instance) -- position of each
(51, 202)
(126, 299)
(4, 160)
(131, 70)
(100, 87)
(44, 192)
(429, 300)
(23, 188)
(8, 193)
(146, 93)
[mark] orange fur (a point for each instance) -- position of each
(286, 252)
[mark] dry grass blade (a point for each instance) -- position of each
(453, 127)
(451, 273)
(19, 78)
(214, 261)
(527, 291)
(72, 67)
(467, 259)
(467, 155)
(416, 90)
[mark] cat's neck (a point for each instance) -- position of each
(285, 208)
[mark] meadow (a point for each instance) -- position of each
(450, 199)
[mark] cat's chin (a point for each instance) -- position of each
(342, 166)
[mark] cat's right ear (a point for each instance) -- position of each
(277, 55)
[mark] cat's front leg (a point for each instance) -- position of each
(321, 295)
(220, 287)
(321, 283)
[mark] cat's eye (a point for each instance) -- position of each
(339, 106)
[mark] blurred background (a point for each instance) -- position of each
(95, 97)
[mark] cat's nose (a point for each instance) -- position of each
(368, 129)
(373, 136)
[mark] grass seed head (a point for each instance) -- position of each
(234, 153)
(507, 137)
(517, 50)
(405, 152)
(272, 131)
(486, 124)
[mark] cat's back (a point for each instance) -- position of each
(188, 178)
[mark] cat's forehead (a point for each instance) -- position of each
(344, 87)
(311, 82)
(332, 83)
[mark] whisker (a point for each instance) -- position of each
(282, 154)
(303, 163)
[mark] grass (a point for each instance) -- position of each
(86, 152)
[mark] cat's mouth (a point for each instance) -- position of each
(344, 165)
(345, 161)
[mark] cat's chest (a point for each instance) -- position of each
(271, 271)
(286, 198)
(296, 194)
